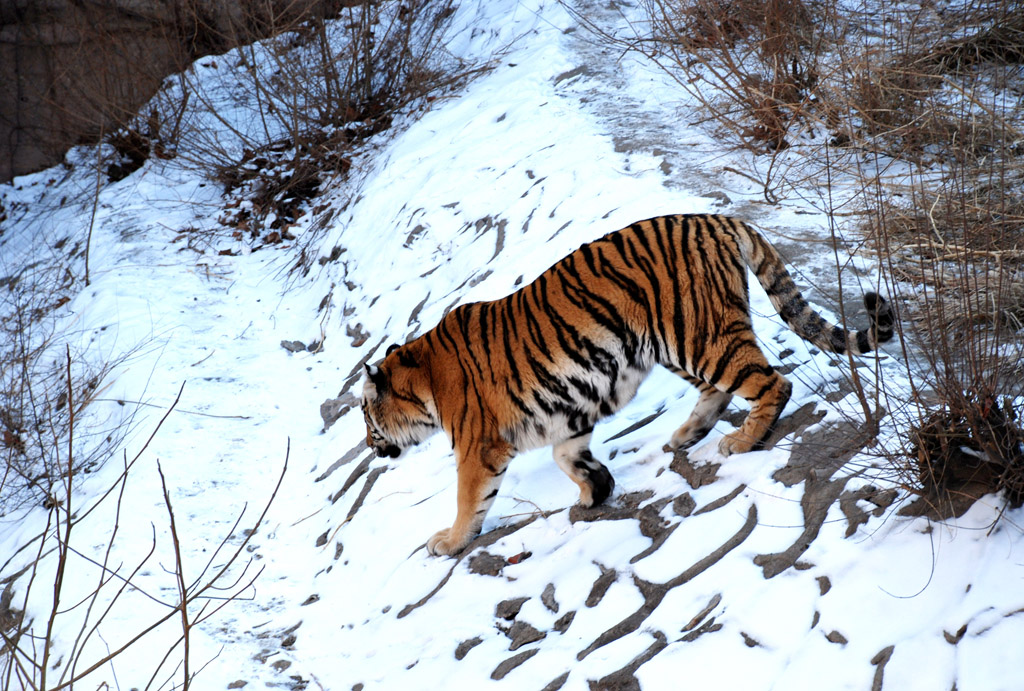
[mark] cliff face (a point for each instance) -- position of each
(71, 70)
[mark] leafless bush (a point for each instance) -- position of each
(953, 230)
(279, 120)
(956, 245)
(29, 656)
(753, 65)
(37, 404)
(302, 87)
(896, 81)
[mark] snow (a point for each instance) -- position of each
(502, 180)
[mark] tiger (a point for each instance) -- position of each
(544, 364)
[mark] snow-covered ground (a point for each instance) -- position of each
(764, 576)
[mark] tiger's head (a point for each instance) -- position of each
(397, 404)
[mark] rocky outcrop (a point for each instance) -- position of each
(71, 71)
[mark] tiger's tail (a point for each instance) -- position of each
(771, 272)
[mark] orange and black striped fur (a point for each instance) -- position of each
(544, 364)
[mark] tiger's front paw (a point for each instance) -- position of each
(444, 544)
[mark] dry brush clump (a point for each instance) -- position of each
(965, 249)
(279, 121)
(951, 232)
(903, 81)
(752, 65)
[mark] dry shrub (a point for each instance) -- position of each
(994, 33)
(901, 81)
(889, 98)
(132, 148)
(303, 104)
(41, 400)
(759, 58)
(973, 445)
(34, 414)
(897, 109)
(965, 244)
(925, 90)
(958, 246)
(56, 647)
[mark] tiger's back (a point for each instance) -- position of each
(544, 364)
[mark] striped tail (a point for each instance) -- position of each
(771, 272)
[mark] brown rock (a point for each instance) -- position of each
(70, 70)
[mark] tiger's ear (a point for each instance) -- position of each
(405, 358)
(377, 381)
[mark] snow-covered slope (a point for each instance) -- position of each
(755, 574)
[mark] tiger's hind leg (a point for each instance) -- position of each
(709, 409)
(590, 475)
(767, 391)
